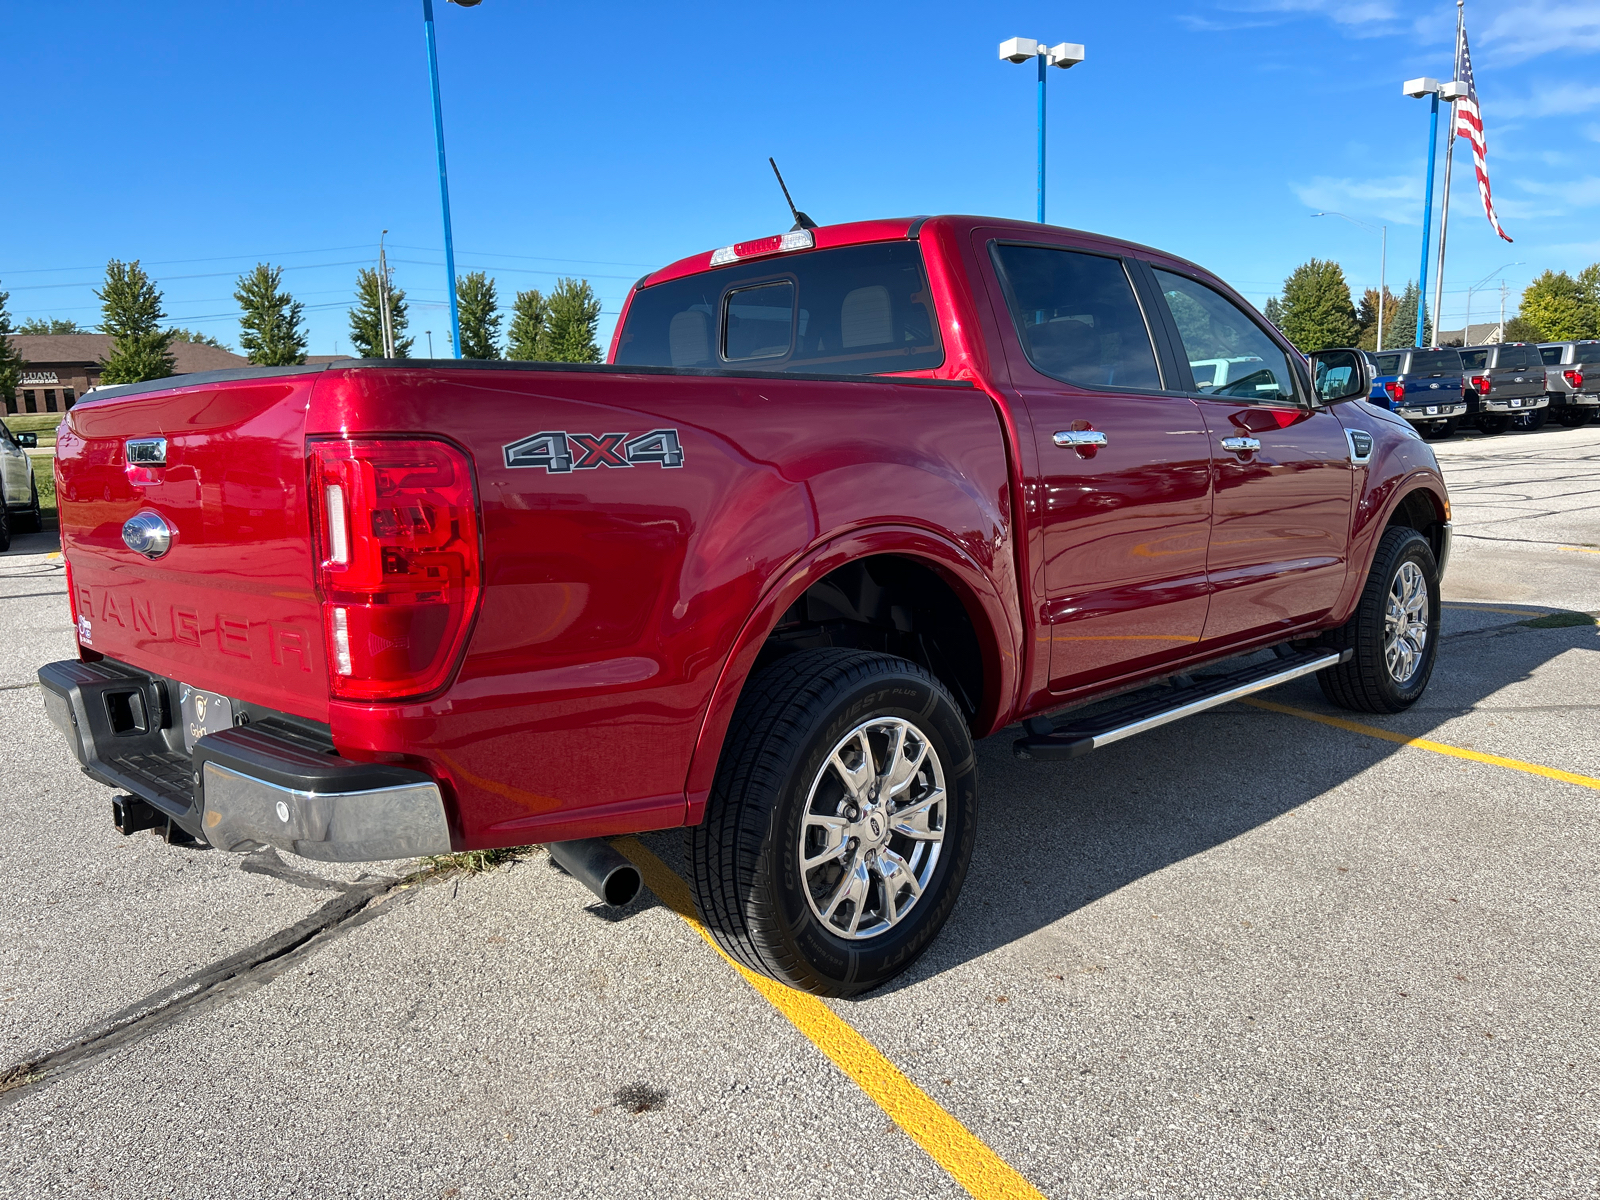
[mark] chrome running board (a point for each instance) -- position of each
(1090, 733)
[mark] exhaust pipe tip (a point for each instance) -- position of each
(600, 868)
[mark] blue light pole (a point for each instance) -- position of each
(1418, 88)
(1064, 55)
(444, 179)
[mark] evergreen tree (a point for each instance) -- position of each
(1589, 291)
(197, 339)
(572, 314)
(1555, 305)
(366, 321)
(1367, 318)
(10, 357)
(479, 307)
(1317, 312)
(527, 326)
(131, 313)
(37, 325)
(272, 330)
(1404, 328)
(1273, 311)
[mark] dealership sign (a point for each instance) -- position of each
(31, 378)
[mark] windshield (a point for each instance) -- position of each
(852, 310)
(1474, 360)
(1386, 364)
(1587, 352)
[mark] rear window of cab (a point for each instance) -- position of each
(850, 310)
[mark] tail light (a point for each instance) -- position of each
(1396, 390)
(1480, 384)
(399, 564)
(1574, 379)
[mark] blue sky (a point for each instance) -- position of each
(605, 139)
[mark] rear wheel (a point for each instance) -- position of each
(841, 822)
(1493, 423)
(1573, 417)
(5, 529)
(1441, 430)
(31, 520)
(1531, 421)
(1394, 633)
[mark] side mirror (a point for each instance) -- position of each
(29, 440)
(1340, 375)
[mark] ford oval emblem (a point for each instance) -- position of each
(148, 533)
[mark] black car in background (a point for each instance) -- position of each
(1505, 386)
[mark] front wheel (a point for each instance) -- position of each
(1394, 632)
(841, 822)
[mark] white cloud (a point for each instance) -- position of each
(1396, 199)
(1522, 31)
(1579, 193)
(1561, 100)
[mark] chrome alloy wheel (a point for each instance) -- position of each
(873, 828)
(1405, 623)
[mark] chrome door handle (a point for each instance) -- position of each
(1241, 444)
(1079, 437)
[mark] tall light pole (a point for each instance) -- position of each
(1383, 261)
(1417, 89)
(1063, 55)
(444, 179)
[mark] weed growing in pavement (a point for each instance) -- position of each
(1558, 620)
(473, 862)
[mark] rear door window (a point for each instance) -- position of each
(1435, 362)
(851, 310)
(1077, 317)
(1228, 352)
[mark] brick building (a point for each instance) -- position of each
(58, 368)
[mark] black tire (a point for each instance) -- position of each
(743, 859)
(1443, 430)
(1530, 422)
(5, 529)
(30, 520)
(1366, 683)
(1493, 423)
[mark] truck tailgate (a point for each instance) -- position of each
(231, 607)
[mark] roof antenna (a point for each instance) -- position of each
(801, 221)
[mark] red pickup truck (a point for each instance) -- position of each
(841, 501)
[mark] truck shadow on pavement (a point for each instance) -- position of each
(1055, 838)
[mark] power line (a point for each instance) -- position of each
(173, 262)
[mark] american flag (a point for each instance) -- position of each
(1469, 124)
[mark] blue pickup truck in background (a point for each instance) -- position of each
(1423, 386)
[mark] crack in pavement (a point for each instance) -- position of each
(213, 986)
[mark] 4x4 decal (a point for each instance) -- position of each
(559, 452)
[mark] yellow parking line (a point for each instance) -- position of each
(967, 1159)
(1510, 612)
(1578, 549)
(1493, 760)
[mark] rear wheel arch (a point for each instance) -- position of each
(983, 673)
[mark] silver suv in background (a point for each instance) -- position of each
(1572, 380)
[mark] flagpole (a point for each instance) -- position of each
(1444, 214)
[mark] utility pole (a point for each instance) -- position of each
(1502, 333)
(383, 299)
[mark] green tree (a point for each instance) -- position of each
(366, 320)
(1589, 289)
(195, 338)
(527, 326)
(1404, 328)
(1555, 305)
(1274, 311)
(272, 330)
(479, 306)
(572, 313)
(1317, 312)
(1520, 329)
(38, 325)
(11, 360)
(131, 313)
(1367, 319)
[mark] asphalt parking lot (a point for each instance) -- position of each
(1271, 950)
